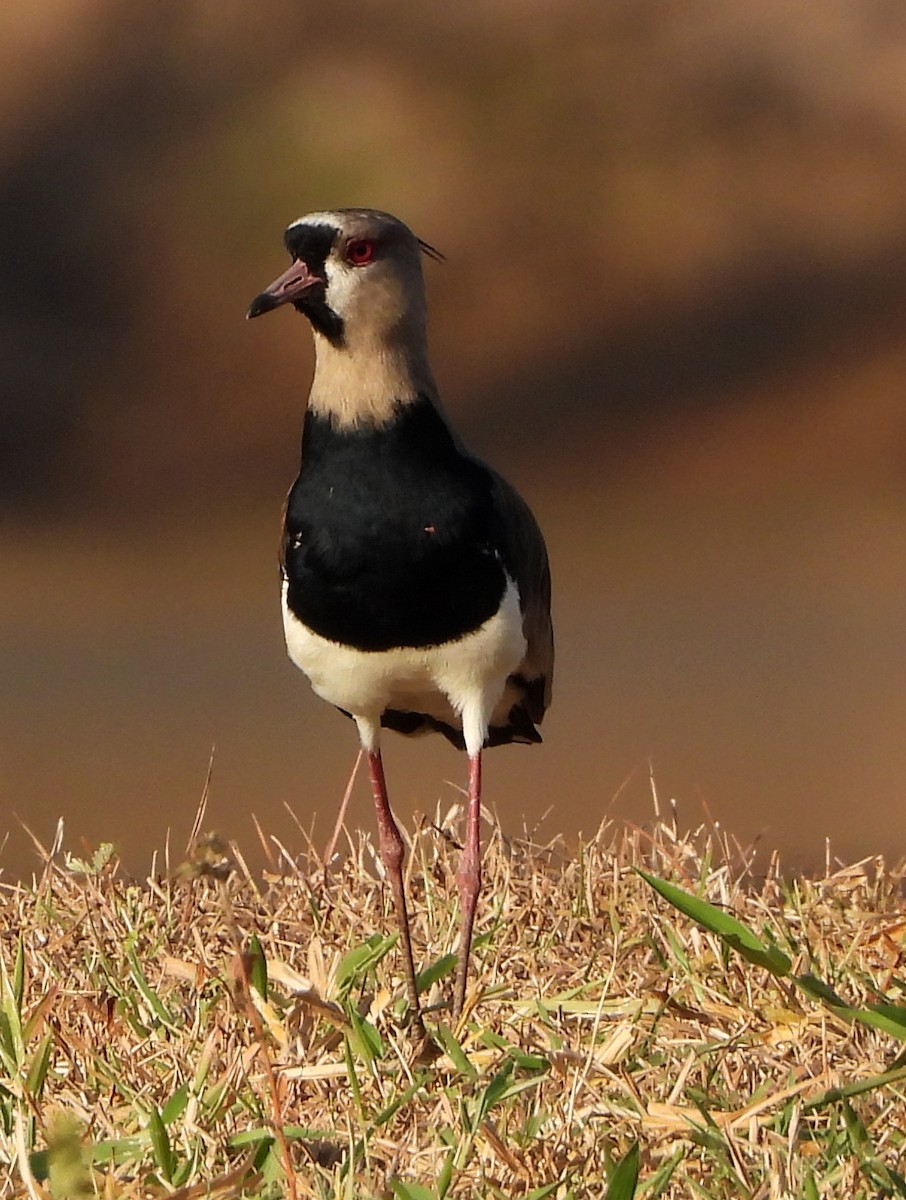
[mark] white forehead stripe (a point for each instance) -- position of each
(318, 218)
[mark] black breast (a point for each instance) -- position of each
(390, 534)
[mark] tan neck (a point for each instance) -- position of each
(365, 384)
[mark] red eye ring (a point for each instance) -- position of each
(360, 251)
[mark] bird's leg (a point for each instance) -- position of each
(392, 852)
(468, 877)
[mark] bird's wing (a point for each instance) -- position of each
(525, 555)
(284, 538)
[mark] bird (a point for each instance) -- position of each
(416, 590)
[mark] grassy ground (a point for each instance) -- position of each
(198, 1033)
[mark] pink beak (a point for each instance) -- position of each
(292, 283)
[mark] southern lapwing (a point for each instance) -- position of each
(416, 590)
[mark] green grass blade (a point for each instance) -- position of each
(10, 1055)
(891, 1018)
(160, 1144)
(527, 1062)
(439, 969)
(149, 995)
(658, 1183)
(37, 1071)
(19, 975)
(492, 1094)
(365, 1039)
(257, 967)
(120, 1150)
(176, 1105)
(400, 1101)
(737, 936)
(625, 1177)
(859, 1141)
(352, 1075)
(305, 1133)
(455, 1051)
(810, 1188)
(411, 1191)
(540, 1193)
(523, 1059)
(12, 1040)
(445, 1176)
(818, 990)
(356, 963)
(855, 1089)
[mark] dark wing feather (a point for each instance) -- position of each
(525, 556)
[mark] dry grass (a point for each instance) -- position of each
(139, 1057)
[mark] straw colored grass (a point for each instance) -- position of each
(146, 1051)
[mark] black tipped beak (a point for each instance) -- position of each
(261, 304)
(291, 284)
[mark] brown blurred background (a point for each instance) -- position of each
(672, 313)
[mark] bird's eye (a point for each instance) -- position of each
(360, 251)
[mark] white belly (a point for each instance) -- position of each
(459, 682)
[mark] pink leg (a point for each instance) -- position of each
(392, 852)
(469, 879)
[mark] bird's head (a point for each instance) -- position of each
(356, 275)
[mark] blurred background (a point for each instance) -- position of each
(672, 314)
